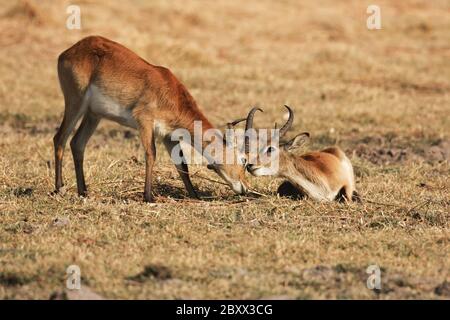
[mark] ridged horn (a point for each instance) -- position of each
(249, 125)
(288, 123)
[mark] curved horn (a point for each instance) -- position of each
(250, 116)
(230, 125)
(288, 123)
(249, 125)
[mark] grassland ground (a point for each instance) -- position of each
(382, 95)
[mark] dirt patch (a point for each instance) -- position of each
(23, 192)
(24, 123)
(439, 152)
(393, 284)
(443, 289)
(384, 155)
(153, 271)
(403, 86)
(12, 279)
(387, 153)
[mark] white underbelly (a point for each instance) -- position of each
(105, 107)
(318, 192)
(348, 169)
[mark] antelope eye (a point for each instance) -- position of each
(270, 150)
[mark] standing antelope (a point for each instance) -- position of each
(102, 79)
(325, 175)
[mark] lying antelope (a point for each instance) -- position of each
(102, 79)
(322, 175)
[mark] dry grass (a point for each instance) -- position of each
(382, 95)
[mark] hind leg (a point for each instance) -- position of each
(74, 110)
(78, 145)
(345, 194)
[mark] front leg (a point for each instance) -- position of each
(181, 166)
(148, 142)
(288, 190)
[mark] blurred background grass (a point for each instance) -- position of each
(382, 95)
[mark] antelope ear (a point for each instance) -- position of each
(298, 141)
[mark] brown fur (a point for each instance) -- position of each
(323, 168)
(322, 175)
(150, 92)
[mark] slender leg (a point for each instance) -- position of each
(73, 111)
(78, 145)
(182, 168)
(344, 195)
(148, 142)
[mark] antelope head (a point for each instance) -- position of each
(271, 156)
(232, 170)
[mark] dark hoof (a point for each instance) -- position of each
(59, 191)
(194, 196)
(83, 194)
(149, 199)
(340, 197)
